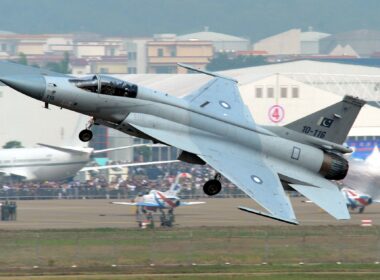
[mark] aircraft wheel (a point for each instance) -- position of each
(85, 135)
(361, 210)
(212, 187)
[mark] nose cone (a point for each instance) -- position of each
(31, 85)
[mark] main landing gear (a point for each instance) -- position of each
(86, 134)
(213, 187)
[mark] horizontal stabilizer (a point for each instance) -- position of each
(141, 204)
(124, 203)
(127, 147)
(65, 149)
(253, 211)
(190, 203)
(89, 168)
(328, 197)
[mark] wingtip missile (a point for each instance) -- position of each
(253, 211)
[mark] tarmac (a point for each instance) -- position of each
(223, 212)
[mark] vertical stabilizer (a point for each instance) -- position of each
(176, 187)
(332, 123)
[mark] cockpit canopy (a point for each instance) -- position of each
(106, 85)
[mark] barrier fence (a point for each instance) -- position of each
(195, 246)
(95, 193)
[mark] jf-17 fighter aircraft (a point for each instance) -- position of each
(212, 125)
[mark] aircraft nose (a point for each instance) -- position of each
(31, 85)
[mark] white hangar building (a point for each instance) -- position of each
(275, 94)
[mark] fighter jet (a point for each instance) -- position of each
(156, 199)
(361, 185)
(212, 125)
(357, 200)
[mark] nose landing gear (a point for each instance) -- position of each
(213, 187)
(86, 134)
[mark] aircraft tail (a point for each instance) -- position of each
(332, 123)
(176, 187)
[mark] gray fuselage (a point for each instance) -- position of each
(161, 111)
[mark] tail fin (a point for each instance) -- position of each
(176, 187)
(332, 123)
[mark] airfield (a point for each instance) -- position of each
(217, 212)
(98, 240)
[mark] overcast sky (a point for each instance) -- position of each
(254, 19)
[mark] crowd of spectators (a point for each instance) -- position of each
(126, 184)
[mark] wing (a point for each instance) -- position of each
(127, 147)
(26, 174)
(126, 165)
(68, 150)
(256, 179)
(190, 203)
(221, 98)
(124, 203)
(136, 204)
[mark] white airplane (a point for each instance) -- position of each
(51, 163)
(356, 199)
(361, 185)
(157, 200)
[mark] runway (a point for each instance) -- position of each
(60, 214)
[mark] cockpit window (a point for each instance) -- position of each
(87, 83)
(106, 85)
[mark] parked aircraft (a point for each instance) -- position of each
(357, 200)
(212, 125)
(51, 163)
(155, 199)
(361, 185)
